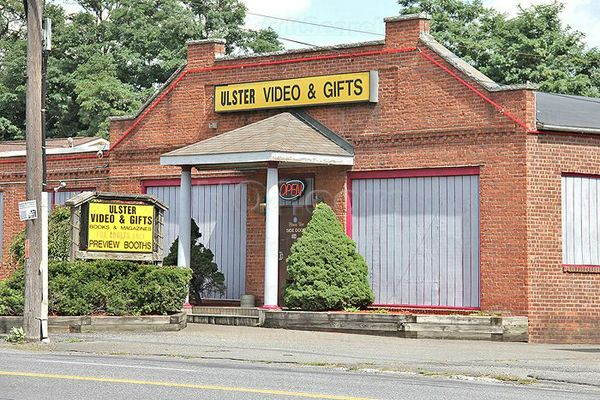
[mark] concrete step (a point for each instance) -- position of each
(223, 319)
(242, 311)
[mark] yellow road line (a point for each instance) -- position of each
(181, 385)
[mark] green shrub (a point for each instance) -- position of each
(11, 300)
(17, 249)
(12, 293)
(103, 287)
(206, 276)
(165, 291)
(325, 272)
(59, 238)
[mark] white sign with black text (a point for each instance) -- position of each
(27, 210)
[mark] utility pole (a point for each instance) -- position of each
(34, 171)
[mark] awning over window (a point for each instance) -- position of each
(290, 138)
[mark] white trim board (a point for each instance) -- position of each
(256, 157)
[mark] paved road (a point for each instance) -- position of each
(41, 375)
(545, 362)
(225, 362)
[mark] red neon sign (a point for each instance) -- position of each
(291, 190)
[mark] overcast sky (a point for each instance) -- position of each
(367, 15)
(582, 15)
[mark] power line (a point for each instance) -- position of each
(286, 39)
(298, 42)
(314, 24)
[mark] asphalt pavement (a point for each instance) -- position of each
(223, 362)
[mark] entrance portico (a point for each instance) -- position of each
(286, 140)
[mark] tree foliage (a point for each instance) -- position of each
(532, 47)
(110, 56)
(325, 271)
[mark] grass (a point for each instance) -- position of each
(379, 311)
(497, 377)
(513, 379)
(486, 314)
(347, 367)
(15, 336)
(73, 340)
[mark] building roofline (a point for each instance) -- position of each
(206, 41)
(467, 69)
(89, 147)
(156, 93)
(425, 38)
(323, 130)
(178, 72)
(407, 17)
(239, 159)
(315, 49)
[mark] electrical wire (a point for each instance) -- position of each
(298, 42)
(297, 21)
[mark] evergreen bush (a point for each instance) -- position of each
(206, 277)
(325, 271)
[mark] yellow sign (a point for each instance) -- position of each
(125, 228)
(309, 91)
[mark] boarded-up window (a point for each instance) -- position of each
(420, 238)
(1, 223)
(220, 212)
(581, 220)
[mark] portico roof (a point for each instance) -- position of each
(289, 137)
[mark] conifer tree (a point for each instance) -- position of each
(206, 276)
(325, 271)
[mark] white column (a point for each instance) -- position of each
(272, 238)
(44, 266)
(185, 216)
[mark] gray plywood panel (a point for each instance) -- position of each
(444, 251)
(397, 278)
(1, 222)
(61, 196)
(220, 212)
(580, 220)
(475, 247)
(405, 247)
(435, 241)
(420, 238)
(390, 265)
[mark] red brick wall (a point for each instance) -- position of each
(564, 306)
(79, 173)
(330, 186)
(424, 118)
(502, 195)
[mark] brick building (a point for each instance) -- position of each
(461, 194)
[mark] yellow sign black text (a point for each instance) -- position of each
(123, 228)
(308, 91)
